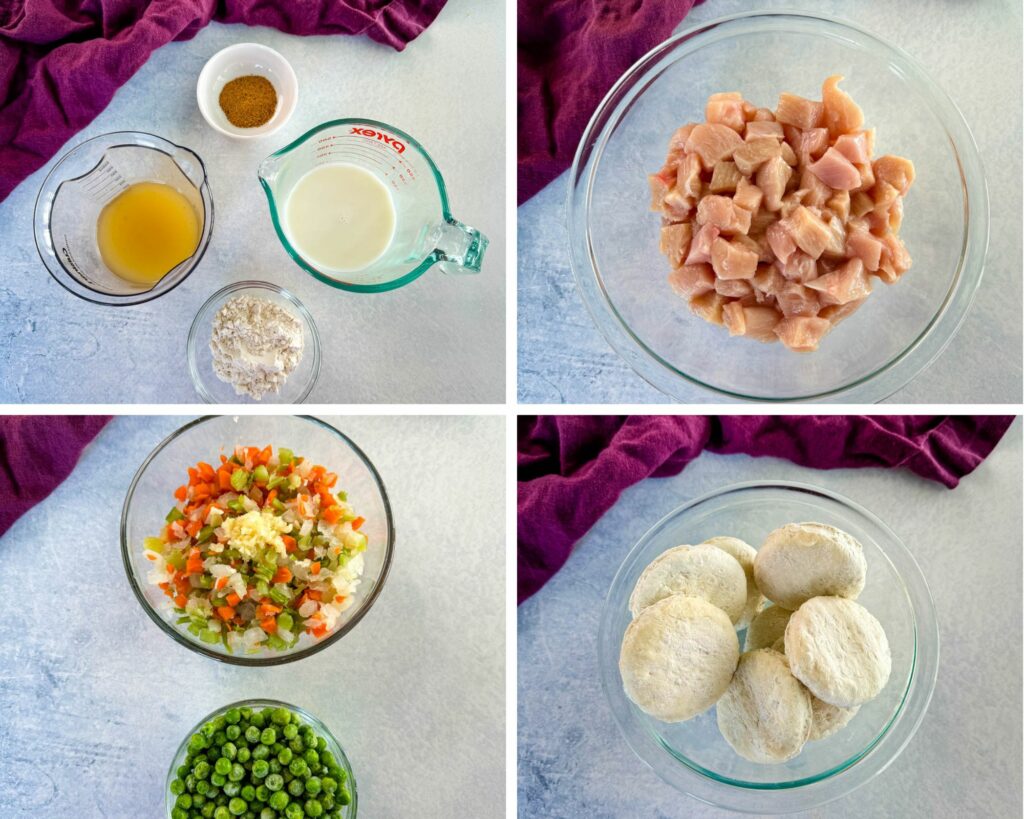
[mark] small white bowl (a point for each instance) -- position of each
(242, 60)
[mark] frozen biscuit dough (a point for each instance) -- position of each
(765, 714)
(745, 554)
(678, 657)
(803, 560)
(827, 719)
(838, 650)
(696, 571)
(767, 626)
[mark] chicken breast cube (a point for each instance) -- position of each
(675, 242)
(802, 334)
(772, 178)
(677, 142)
(760, 322)
(723, 213)
(709, 306)
(713, 143)
(799, 267)
(862, 245)
(844, 284)
(725, 178)
(660, 186)
(734, 288)
(731, 260)
(726, 109)
(799, 112)
(795, 299)
(841, 115)
(759, 129)
(835, 313)
(809, 232)
(700, 245)
(780, 241)
(688, 176)
(748, 195)
(754, 153)
(734, 319)
(854, 147)
(692, 280)
(836, 171)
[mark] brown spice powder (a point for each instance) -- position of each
(249, 101)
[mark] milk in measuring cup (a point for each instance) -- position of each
(340, 217)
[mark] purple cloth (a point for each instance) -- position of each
(37, 452)
(570, 54)
(572, 469)
(61, 62)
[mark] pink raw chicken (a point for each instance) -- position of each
(775, 222)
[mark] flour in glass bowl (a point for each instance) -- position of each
(256, 345)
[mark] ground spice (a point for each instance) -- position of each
(249, 101)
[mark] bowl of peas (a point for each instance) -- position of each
(260, 759)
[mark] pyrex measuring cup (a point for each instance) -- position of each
(425, 232)
(83, 182)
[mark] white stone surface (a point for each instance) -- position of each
(440, 339)
(564, 359)
(95, 698)
(965, 759)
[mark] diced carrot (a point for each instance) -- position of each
(331, 478)
(313, 594)
(180, 493)
(339, 598)
(319, 631)
(200, 491)
(205, 470)
(332, 514)
(180, 601)
(282, 575)
(193, 527)
(224, 480)
(225, 612)
(314, 567)
(193, 476)
(220, 584)
(270, 497)
(269, 625)
(267, 609)
(264, 456)
(289, 543)
(252, 453)
(358, 522)
(223, 458)
(194, 564)
(233, 599)
(164, 586)
(150, 556)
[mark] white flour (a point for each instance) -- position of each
(256, 345)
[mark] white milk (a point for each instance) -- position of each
(340, 217)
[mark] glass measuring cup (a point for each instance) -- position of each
(78, 187)
(425, 232)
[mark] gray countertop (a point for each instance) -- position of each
(564, 359)
(439, 340)
(965, 759)
(96, 698)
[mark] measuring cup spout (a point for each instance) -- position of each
(269, 168)
(460, 248)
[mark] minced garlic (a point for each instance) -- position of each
(256, 531)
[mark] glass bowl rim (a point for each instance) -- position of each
(314, 720)
(837, 781)
(126, 299)
(273, 659)
(883, 380)
(250, 284)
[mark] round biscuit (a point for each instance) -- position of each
(706, 572)
(767, 626)
(744, 554)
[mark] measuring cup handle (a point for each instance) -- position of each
(460, 248)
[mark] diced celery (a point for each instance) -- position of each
(154, 544)
(276, 481)
(276, 642)
(285, 621)
(208, 636)
(343, 496)
(174, 514)
(355, 541)
(194, 630)
(236, 505)
(284, 456)
(260, 474)
(240, 480)
(278, 506)
(279, 595)
(176, 558)
(205, 534)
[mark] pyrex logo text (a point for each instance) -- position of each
(369, 132)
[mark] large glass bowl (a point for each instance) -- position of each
(332, 745)
(151, 494)
(692, 756)
(613, 235)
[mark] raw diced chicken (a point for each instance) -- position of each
(708, 306)
(734, 288)
(836, 171)
(798, 112)
(731, 260)
(692, 280)
(748, 196)
(845, 284)
(724, 214)
(802, 334)
(842, 114)
(760, 322)
(795, 299)
(774, 223)
(725, 178)
(771, 178)
(780, 241)
(754, 153)
(854, 147)
(735, 321)
(700, 245)
(759, 129)
(726, 109)
(713, 142)
(809, 232)
(862, 245)
(675, 242)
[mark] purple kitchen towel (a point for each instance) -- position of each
(37, 452)
(572, 469)
(570, 54)
(61, 62)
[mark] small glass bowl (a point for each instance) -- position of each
(151, 494)
(296, 387)
(692, 756)
(613, 236)
(332, 745)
